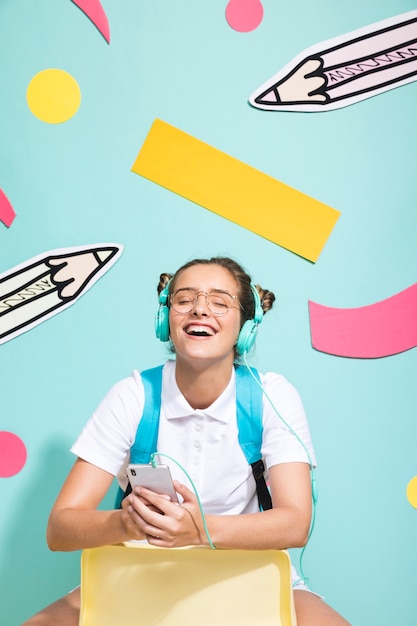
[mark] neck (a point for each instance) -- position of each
(201, 386)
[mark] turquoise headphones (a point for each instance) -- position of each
(247, 334)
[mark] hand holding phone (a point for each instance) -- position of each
(157, 479)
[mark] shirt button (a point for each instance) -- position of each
(196, 444)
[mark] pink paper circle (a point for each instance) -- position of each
(244, 15)
(12, 454)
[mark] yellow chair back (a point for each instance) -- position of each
(136, 584)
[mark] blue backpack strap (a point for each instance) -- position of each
(250, 426)
(249, 410)
(147, 432)
(249, 413)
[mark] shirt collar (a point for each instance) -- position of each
(176, 406)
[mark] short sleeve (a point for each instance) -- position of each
(111, 430)
(286, 434)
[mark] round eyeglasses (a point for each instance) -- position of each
(218, 302)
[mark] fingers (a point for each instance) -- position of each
(154, 500)
(162, 522)
(186, 493)
(131, 520)
(136, 526)
(143, 516)
(170, 527)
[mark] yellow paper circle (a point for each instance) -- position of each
(412, 492)
(53, 96)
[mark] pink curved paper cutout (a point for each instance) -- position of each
(7, 213)
(95, 12)
(381, 329)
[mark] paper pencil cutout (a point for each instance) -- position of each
(95, 12)
(7, 213)
(378, 330)
(235, 191)
(346, 69)
(47, 284)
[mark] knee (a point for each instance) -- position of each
(35, 620)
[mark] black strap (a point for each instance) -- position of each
(128, 490)
(264, 497)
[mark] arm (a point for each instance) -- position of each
(285, 526)
(74, 523)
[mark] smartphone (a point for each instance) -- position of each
(157, 479)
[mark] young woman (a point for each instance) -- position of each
(204, 306)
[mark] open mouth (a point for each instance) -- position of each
(199, 331)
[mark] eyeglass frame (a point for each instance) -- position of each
(206, 294)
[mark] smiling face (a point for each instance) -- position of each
(200, 336)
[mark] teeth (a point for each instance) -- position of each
(199, 330)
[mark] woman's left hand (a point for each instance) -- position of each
(165, 523)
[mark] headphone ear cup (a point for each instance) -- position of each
(162, 323)
(162, 316)
(249, 330)
(247, 336)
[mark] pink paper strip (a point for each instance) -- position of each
(7, 213)
(381, 329)
(95, 12)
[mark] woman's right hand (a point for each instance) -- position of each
(130, 519)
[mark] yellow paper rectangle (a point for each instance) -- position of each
(235, 190)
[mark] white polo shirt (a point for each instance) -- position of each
(204, 442)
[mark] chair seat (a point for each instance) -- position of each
(136, 584)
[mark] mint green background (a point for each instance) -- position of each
(71, 184)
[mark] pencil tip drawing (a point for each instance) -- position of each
(48, 283)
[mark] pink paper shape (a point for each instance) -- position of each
(7, 213)
(95, 12)
(12, 454)
(381, 329)
(244, 15)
